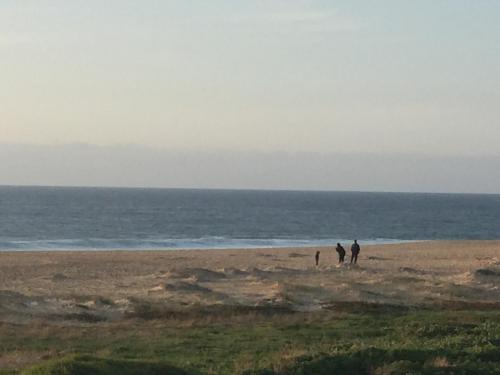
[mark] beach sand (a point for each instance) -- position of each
(113, 285)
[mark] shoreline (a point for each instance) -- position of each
(346, 244)
(291, 244)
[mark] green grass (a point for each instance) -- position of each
(369, 341)
(100, 366)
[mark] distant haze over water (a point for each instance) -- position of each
(136, 166)
(44, 218)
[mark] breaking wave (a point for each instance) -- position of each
(173, 243)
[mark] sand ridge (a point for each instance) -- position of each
(96, 286)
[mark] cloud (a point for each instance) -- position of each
(298, 17)
(12, 39)
(326, 21)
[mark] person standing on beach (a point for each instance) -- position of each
(341, 251)
(317, 258)
(355, 249)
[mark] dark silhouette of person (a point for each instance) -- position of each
(341, 251)
(355, 249)
(317, 258)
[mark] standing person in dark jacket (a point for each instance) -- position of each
(316, 257)
(355, 249)
(341, 252)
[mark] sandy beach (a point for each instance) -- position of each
(112, 285)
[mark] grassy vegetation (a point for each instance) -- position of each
(366, 341)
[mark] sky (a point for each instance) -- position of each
(392, 77)
(140, 166)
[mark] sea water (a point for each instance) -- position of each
(48, 218)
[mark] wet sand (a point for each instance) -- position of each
(108, 286)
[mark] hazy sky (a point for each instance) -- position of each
(332, 76)
(135, 166)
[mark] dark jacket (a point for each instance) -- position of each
(340, 250)
(355, 249)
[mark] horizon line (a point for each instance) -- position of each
(291, 190)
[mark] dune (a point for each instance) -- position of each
(108, 285)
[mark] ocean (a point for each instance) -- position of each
(50, 218)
